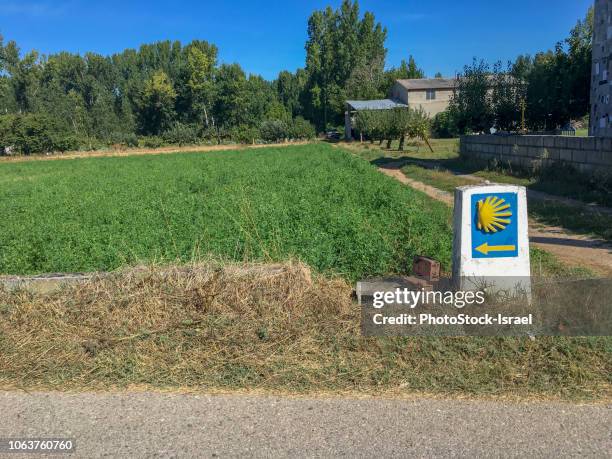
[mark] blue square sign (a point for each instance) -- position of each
(494, 225)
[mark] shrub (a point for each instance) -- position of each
(274, 130)
(131, 140)
(128, 139)
(26, 133)
(443, 126)
(210, 134)
(181, 134)
(301, 129)
(151, 141)
(65, 142)
(244, 134)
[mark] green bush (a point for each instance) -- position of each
(301, 129)
(209, 134)
(274, 130)
(131, 140)
(65, 142)
(151, 141)
(244, 134)
(128, 139)
(181, 134)
(27, 134)
(443, 126)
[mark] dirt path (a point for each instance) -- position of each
(571, 249)
(531, 194)
(141, 151)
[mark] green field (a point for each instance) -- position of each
(311, 202)
(212, 328)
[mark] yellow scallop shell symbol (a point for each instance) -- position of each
(491, 213)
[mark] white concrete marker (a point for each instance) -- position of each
(491, 240)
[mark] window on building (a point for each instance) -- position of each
(431, 94)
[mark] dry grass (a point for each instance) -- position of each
(264, 328)
(138, 151)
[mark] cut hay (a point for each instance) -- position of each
(275, 328)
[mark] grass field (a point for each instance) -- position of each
(215, 327)
(443, 149)
(311, 202)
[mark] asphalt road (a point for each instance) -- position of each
(178, 425)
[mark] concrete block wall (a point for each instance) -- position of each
(590, 155)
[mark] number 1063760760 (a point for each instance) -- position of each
(39, 445)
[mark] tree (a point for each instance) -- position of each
(259, 98)
(274, 130)
(230, 103)
(507, 93)
(443, 125)
(371, 124)
(338, 43)
(156, 104)
(393, 124)
(402, 119)
(557, 81)
(406, 70)
(201, 62)
(24, 76)
(579, 55)
(418, 126)
(366, 81)
(290, 90)
(471, 105)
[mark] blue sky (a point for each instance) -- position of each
(267, 36)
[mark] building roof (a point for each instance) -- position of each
(428, 83)
(377, 104)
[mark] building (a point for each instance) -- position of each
(601, 78)
(433, 94)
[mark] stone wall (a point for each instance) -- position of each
(587, 154)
